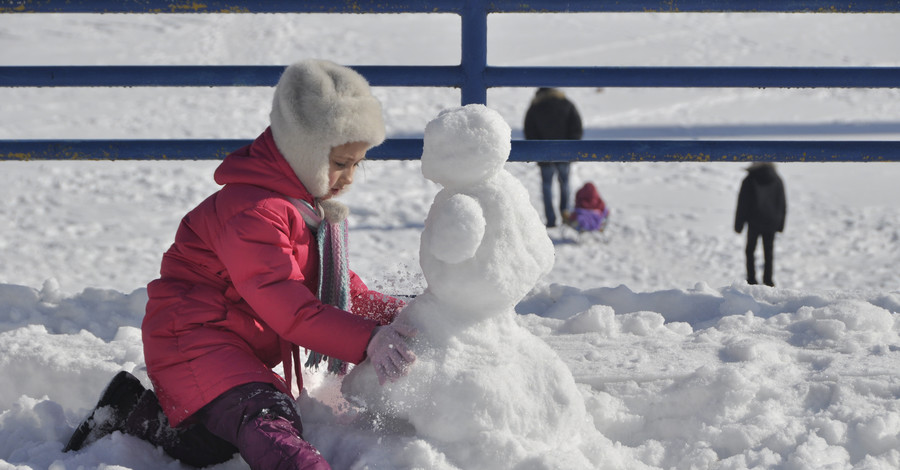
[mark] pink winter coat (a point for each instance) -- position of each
(236, 293)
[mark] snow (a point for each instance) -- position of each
(647, 330)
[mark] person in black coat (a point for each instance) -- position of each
(551, 116)
(762, 207)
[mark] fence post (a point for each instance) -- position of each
(474, 52)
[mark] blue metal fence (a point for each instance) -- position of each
(472, 76)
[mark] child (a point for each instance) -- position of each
(258, 270)
(590, 211)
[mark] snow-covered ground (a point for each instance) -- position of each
(679, 362)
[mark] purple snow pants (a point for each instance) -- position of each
(254, 419)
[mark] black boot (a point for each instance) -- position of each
(193, 445)
(115, 404)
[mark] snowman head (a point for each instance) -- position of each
(465, 145)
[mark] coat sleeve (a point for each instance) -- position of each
(371, 304)
(575, 130)
(741, 214)
(530, 127)
(782, 205)
(258, 251)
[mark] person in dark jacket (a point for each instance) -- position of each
(551, 116)
(762, 207)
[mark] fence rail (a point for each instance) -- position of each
(454, 76)
(411, 149)
(444, 6)
(472, 76)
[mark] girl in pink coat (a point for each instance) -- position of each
(257, 271)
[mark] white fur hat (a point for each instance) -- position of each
(319, 105)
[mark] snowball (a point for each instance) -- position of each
(456, 231)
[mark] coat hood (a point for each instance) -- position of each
(762, 172)
(588, 198)
(261, 164)
(548, 94)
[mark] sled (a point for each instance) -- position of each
(585, 227)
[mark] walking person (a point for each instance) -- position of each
(551, 116)
(257, 271)
(762, 207)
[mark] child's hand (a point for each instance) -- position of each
(389, 353)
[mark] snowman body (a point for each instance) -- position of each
(481, 382)
(481, 250)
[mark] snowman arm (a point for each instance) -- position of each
(454, 229)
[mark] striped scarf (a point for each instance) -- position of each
(334, 270)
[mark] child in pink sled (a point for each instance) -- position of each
(590, 212)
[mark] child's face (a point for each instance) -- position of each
(342, 163)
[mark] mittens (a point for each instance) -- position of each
(389, 353)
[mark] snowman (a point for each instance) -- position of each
(482, 388)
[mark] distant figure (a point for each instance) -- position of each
(551, 116)
(762, 206)
(590, 212)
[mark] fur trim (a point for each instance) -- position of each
(334, 211)
(759, 165)
(547, 94)
(319, 105)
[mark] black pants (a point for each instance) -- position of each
(768, 239)
(254, 419)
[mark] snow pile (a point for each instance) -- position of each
(739, 377)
